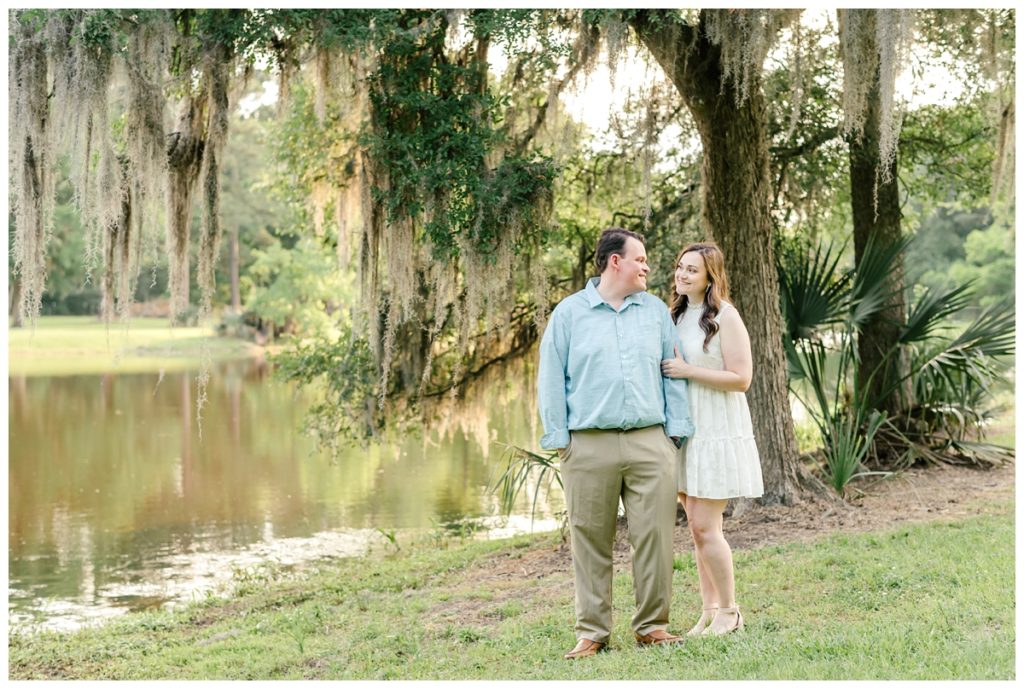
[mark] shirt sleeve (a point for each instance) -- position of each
(677, 400)
(551, 382)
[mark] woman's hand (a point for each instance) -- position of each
(677, 367)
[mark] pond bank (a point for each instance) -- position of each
(932, 600)
(75, 345)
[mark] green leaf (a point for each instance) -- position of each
(871, 290)
(814, 291)
(931, 310)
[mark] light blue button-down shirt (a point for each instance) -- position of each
(601, 368)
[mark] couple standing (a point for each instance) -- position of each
(614, 401)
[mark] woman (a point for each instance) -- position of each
(720, 461)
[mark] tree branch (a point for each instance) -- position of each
(585, 49)
(941, 146)
(820, 138)
(522, 342)
(661, 34)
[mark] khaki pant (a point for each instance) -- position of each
(598, 468)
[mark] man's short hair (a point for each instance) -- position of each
(612, 241)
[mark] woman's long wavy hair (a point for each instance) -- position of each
(717, 290)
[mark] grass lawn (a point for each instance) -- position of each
(69, 345)
(928, 601)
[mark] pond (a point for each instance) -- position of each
(121, 499)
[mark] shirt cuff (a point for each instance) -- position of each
(679, 429)
(555, 440)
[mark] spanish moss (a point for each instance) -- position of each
(875, 45)
(745, 37)
(30, 162)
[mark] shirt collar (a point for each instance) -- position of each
(594, 297)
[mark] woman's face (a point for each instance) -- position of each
(691, 276)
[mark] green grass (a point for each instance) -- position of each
(930, 601)
(70, 345)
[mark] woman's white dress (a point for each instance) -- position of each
(720, 460)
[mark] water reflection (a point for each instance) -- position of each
(116, 502)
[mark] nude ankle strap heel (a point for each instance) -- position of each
(706, 616)
(736, 627)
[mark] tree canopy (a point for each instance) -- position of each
(463, 198)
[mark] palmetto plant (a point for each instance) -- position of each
(952, 379)
(522, 466)
(826, 309)
(847, 425)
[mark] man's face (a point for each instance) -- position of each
(633, 265)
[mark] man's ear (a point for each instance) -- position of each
(614, 260)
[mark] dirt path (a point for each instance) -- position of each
(917, 495)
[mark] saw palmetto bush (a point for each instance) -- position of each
(944, 397)
(953, 378)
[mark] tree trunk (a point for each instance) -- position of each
(179, 219)
(880, 335)
(184, 158)
(14, 303)
(116, 285)
(736, 208)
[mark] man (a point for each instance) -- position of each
(610, 414)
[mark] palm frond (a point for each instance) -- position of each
(794, 366)
(992, 332)
(811, 358)
(931, 310)
(849, 438)
(973, 355)
(948, 433)
(521, 466)
(814, 291)
(982, 453)
(871, 290)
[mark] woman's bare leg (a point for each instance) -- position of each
(708, 595)
(705, 520)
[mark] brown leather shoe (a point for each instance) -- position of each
(659, 637)
(584, 649)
